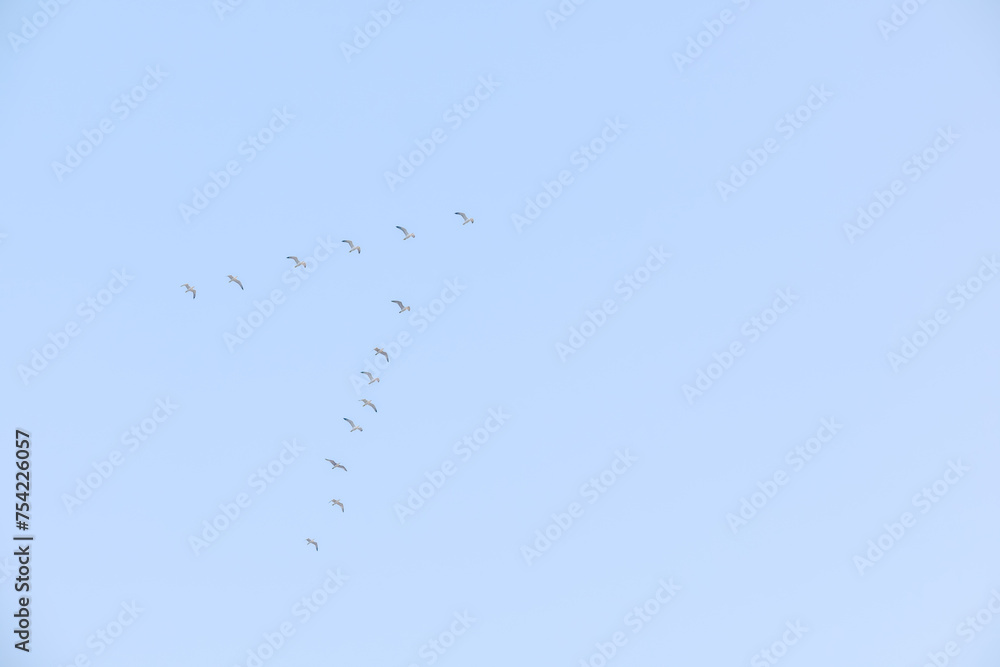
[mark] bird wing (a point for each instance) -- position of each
(398, 303)
(293, 257)
(367, 373)
(349, 422)
(238, 283)
(350, 243)
(464, 216)
(403, 228)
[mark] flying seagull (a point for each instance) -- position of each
(371, 378)
(234, 279)
(336, 465)
(406, 234)
(194, 293)
(369, 404)
(297, 262)
(337, 502)
(313, 542)
(353, 247)
(465, 217)
(353, 427)
(379, 350)
(402, 308)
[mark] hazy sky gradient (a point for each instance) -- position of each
(521, 292)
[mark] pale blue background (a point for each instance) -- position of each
(496, 344)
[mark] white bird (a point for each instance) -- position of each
(353, 427)
(369, 404)
(379, 350)
(371, 378)
(465, 217)
(337, 502)
(313, 542)
(406, 234)
(297, 262)
(194, 293)
(234, 279)
(353, 247)
(336, 465)
(402, 308)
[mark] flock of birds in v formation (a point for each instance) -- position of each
(371, 379)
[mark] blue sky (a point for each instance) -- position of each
(578, 331)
